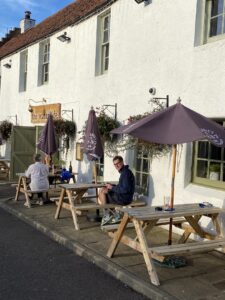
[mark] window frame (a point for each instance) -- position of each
(140, 154)
(208, 18)
(45, 62)
(100, 169)
(23, 71)
(206, 181)
(103, 43)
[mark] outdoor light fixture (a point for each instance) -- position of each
(30, 108)
(145, 1)
(63, 37)
(8, 65)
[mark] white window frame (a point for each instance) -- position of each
(141, 175)
(44, 62)
(23, 71)
(103, 43)
(202, 176)
(209, 18)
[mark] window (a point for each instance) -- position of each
(44, 58)
(209, 164)
(100, 169)
(23, 71)
(215, 19)
(103, 38)
(142, 166)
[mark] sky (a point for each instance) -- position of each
(12, 11)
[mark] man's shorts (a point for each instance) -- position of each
(112, 197)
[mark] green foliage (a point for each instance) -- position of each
(65, 128)
(6, 129)
(105, 125)
(128, 142)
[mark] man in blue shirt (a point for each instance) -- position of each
(122, 193)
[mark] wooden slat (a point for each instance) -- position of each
(188, 247)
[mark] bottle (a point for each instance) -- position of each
(70, 168)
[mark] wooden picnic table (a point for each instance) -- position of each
(145, 218)
(74, 192)
(22, 187)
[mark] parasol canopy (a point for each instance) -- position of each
(174, 125)
(92, 140)
(47, 141)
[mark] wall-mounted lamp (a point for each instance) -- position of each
(30, 108)
(8, 65)
(145, 1)
(63, 37)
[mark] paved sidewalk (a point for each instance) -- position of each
(203, 277)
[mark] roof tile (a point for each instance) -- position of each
(67, 16)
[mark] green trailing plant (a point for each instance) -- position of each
(128, 142)
(106, 124)
(6, 129)
(65, 128)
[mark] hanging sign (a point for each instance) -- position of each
(40, 113)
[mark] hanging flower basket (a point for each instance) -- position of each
(106, 124)
(6, 129)
(128, 142)
(65, 128)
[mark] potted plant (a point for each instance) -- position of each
(214, 171)
(65, 130)
(5, 129)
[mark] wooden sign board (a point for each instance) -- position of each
(40, 113)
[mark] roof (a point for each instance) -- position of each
(69, 15)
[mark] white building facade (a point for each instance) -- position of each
(114, 55)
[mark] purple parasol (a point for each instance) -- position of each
(47, 141)
(92, 140)
(174, 125)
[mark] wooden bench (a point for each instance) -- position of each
(176, 221)
(78, 207)
(202, 246)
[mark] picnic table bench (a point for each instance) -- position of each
(145, 219)
(22, 187)
(75, 195)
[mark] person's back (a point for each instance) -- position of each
(38, 173)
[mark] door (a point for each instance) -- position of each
(24, 139)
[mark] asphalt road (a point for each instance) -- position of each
(32, 266)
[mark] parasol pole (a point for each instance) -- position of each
(174, 155)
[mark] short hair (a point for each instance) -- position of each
(37, 157)
(118, 157)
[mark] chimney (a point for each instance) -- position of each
(27, 22)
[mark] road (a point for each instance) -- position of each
(32, 266)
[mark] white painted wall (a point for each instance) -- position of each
(150, 46)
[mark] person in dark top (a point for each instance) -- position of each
(122, 193)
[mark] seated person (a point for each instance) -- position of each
(65, 175)
(121, 194)
(38, 173)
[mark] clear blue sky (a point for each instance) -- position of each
(12, 11)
